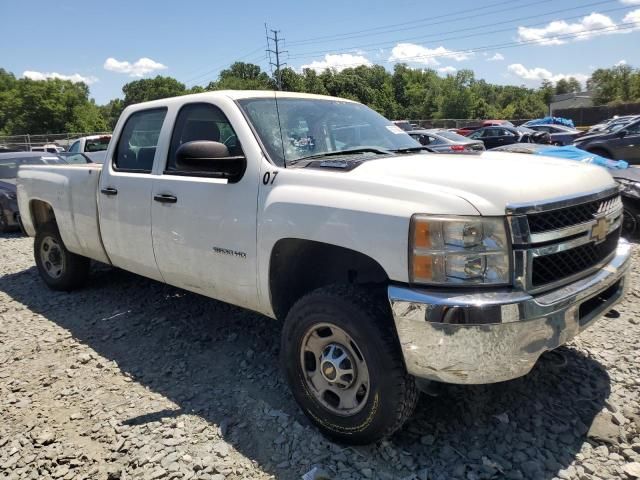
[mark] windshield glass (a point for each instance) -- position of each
(97, 144)
(452, 136)
(9, 166)
(314, 126)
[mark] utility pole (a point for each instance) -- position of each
(276, 51)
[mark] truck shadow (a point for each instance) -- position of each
(221, 363)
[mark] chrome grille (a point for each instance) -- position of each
(551, 268)
(561, 241)
(566, 217)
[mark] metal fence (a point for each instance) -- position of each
(456, 122)
(26, 142)
(591, 115)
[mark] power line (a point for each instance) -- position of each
(216, 69)
(346, 35)
(629, 26)
(277, 52)
(422, 37)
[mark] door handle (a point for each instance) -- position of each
(165, 198)
(108, 191)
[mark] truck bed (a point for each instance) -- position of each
(71, 190)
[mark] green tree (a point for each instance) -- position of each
(148, 89)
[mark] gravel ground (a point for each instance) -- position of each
(130, 378)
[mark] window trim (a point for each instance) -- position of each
(115, 152)
(182, 173)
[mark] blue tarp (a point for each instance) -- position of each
(567, 122)
(570, 152)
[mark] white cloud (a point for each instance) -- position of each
(631, 2)
(621, 62)
(139, 68)
(632, 17)
(75, 78)
(590, 26)
(496, 58)
(338, 62)
(538, 74)
(410, 52)
(449, 69)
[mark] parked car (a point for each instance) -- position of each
(612, 123)
(466, 130)
(496, 123)
(9, 164)
(92, 143)
(404, 125)
(620, 142)
(502, 135)
(390, 267)
(560, 135)
(627, 177)
(444, 141)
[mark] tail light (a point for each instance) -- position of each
(457, 148)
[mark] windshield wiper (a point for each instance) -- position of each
(349, 151)
(412, 149)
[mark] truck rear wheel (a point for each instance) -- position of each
(59, 268)
(344, 365)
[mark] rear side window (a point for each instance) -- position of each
(138, 141)
(202, 121)
(75, 147)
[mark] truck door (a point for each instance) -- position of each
(204, 227)
(124, 199)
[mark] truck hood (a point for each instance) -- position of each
(490, 181)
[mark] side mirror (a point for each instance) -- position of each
(623, 133)
(207, 158)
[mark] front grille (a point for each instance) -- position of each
(557, 266)
(569, 216)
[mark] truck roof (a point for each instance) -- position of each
(232, 94)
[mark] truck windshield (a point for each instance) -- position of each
(302, 127)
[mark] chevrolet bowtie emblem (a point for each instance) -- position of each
(600, 229)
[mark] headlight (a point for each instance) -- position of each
(459, 250)
(628, 187)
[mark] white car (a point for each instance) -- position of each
(390, 267)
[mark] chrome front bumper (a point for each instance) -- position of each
(505, 332)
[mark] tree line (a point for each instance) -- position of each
(54, 105)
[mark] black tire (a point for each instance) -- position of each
(74, 269)
(4, 224)
(630, 220)
(600, 151)
(392, 393)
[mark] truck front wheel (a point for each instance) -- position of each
(59, 268)
(344, 366)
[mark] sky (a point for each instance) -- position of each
(520, 42)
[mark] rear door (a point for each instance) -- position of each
(204, 228)
(124, 199)
(491, 137)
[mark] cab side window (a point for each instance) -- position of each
(75, 148)
(201, 121)
(138, 141)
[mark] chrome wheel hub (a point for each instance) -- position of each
(51, 257)
(337, 366)
(335, 371)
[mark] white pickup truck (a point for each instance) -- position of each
(390, 266)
